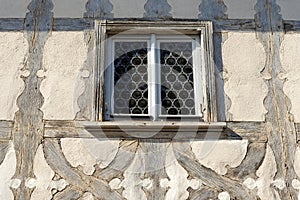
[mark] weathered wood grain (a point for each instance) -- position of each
(99, 9)
(4, 145)
(280, 129)
(68, 193)
(5, 129)
(88, 101)
(28, 128)
(252, 131)
(72, 24)
(234, 25)
(212, 10)
(57, 161)
(223, 101)
(297, 127)
(121, 162)
(157, 9)
(215, 10)
(254, 158)
(188, 161)
(204, 193)
(291, 26)
(101, 46)
(11, 24)
(154, 152)
(81, 24)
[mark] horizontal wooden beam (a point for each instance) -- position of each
(80, 24)
(252, 131)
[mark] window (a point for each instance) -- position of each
(156, 70)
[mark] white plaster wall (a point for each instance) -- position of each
(7, 170)
(128, 8)
(133, 179)
(217, 155)
(43, 184)
(185, 9)
(178, 181)
(64, 55)
(237, 9)
(243, 58)
(88, 152)
(266, 174)
(291, 64)
(13, 48)
(297, 161)
(69, 8)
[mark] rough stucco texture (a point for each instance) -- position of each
(88, 152)
(243, 58)
(43, 183)
(7, 170)
(291, 63)
(64, 55)
(219, 154)
(12, 53)
(266, 173)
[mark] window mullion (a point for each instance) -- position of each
(152, 78)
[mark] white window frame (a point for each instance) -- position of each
(206, 85)
(109, 85)
(154, 99)
(197, 72)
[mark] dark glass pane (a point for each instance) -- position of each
(177, 89)
(142, 103)
(130, 78)
(132, 103)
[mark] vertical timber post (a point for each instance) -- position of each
(28, 128)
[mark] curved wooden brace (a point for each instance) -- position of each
(186, 158)
(3, 150)
(56, 160)
(255, 155)
(121, 162)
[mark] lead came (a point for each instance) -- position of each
(130, 78)
(177, 89)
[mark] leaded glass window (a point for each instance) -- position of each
(130, 78)
(154, 76)
(177, 87)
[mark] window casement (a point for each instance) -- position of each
(156, 71)
(153, 76)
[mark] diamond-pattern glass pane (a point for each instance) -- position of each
(177, 78)
(130, 78)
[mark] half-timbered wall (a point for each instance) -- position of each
(47, 93)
